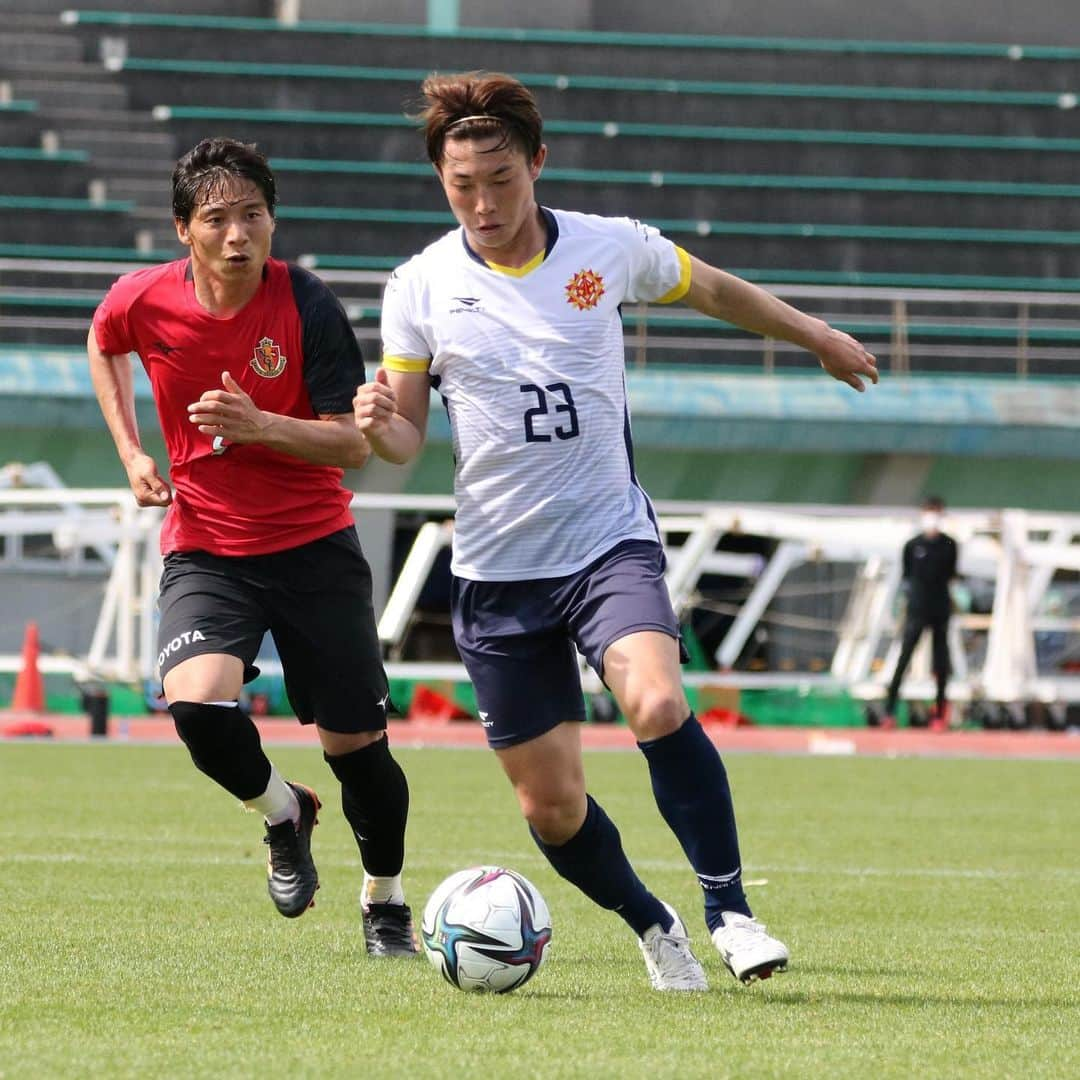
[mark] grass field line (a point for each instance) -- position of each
(517, 858)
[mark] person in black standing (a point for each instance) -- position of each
(929, 564)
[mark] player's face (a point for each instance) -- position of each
(229, 232)
(490, 192)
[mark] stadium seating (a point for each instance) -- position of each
(26, 170)
(590, 96)
(21, 123)
(26, 218)
(823, 162)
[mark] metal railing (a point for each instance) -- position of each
(928, 330)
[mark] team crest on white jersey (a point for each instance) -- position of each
(268, 360)
(584, 289)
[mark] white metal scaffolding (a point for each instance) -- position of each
(1017, 553)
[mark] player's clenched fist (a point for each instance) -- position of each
(146, 482)
(374, 404)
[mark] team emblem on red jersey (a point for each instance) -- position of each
(268, 361)
(585, 289)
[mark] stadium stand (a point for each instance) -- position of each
(828, 164)
(27, 170)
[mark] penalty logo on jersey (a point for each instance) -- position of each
(585, 289)
(268, 361)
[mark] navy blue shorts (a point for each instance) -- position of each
(316, 602)
(517, 638)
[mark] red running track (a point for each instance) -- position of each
(772, 740)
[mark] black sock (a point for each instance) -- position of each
(691, 789)
(224, 744)
(375, 801)
(593, 860)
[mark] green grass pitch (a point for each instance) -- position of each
(932, 909)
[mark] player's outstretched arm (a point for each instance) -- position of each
(230, 414)
(392, 412)
(115, 390)
(724, 296)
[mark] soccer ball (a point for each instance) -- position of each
(486, 929)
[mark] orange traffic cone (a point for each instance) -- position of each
(29, 693)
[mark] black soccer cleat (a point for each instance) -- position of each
(291, 877)
(388, 930)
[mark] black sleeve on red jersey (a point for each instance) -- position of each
(333, 364)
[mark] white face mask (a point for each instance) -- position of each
(931, 522)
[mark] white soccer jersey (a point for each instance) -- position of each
(530, 365)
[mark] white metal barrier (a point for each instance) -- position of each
(1018, 551)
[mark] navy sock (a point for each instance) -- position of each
(691, 789)
(593, 859)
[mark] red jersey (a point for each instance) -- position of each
(291, 349)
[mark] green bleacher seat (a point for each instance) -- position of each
(678, 227)
(86, 252)
(821, 162)
(675, 178)
(659, 55)
(790, 276)
(734, 43)
(613, 129)
(566, 94)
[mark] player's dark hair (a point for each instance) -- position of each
(479, 104)
(214, 163)
(934, 502)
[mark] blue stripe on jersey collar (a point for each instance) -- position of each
(550, 223)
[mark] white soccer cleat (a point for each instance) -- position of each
(671, 964)
(747, 950)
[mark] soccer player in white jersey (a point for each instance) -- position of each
(514, 319)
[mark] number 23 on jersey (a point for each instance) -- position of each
(560, 397)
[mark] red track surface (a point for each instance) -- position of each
(775, 740)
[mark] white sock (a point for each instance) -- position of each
(382, 890)
(278, 802)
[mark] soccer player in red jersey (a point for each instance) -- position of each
(253, 366)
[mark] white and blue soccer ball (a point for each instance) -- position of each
(486, 929)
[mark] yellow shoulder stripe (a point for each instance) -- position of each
(681, 289)
(405, 363)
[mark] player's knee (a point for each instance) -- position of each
(339, 743)
(224, 744)
(206, 677)
(555, 815)
(655, 711)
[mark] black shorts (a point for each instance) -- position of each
(316, 602)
